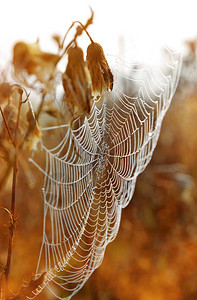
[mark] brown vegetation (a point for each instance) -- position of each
(155, 254)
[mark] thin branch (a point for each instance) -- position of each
(11, 229)
(84, 28)
(62, 44)
(18, 117)
(78, 33)
(7, 127)
(36, 119)
(13, 201)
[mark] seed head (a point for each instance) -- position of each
(100, 73)
(75, 83)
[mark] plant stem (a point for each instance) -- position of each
(6, 125)
(13, 201)
(11, 228)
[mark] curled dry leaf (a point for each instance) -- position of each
(57, 39)
(75, 83)
(5, 92)
(30, 58)
(34, 136)
(33, 139)
(100, 73)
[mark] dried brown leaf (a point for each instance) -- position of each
(100, 73)
(30, 58)
(5, 92)
(75, 83)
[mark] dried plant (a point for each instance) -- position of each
(90, 172)
(20, 126)
(100, 73)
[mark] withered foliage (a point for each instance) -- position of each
(30, 58)
(154, 256)
(14, 129)
(100, 73)
(75, 83)
(25, 106)
(82, 80)
(5, 92)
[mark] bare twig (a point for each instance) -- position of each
(62, 44)
(6, 125)
(13, 200)
(36, 119)
(78, 33)
(84, 28)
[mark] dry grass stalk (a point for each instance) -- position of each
(19, 132)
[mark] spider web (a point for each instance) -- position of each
(90, 174)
